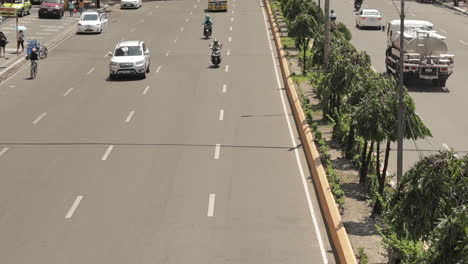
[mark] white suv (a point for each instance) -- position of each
(130, 58)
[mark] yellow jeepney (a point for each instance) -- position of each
(217, 5)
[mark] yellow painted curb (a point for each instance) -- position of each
(340, 240)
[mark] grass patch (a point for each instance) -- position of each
(275, 5)
(288, 42)
(301, 78)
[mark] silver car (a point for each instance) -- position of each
(130, 58)
(130, 4)
(369, 18)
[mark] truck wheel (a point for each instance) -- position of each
(442, 82)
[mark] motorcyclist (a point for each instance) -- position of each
(216, 45)
(332, 15)
(208, 23)
(358, 2)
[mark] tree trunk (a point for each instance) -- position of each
(304, 50)
(387, 156)
(350, 144)
(377, 209)
(368, 160)
(362, 176)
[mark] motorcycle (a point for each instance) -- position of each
(207, 29)
(216, 56)
(357, 6)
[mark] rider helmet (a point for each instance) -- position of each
(215, 42)
(207, 16)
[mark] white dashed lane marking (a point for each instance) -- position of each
(146, 90)
(4, 150)
(159, 68)
(90, 71)
(221, 115)
(68, 91)
(227, 68)
(74, 206)
(224, 88)
(108, 151)
(39, 118)
(211, 204)
(217, 151)
(129, 117)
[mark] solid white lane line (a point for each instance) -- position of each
(182, 29)
(221, 115)
(217, 150)
(74, 206)
(150, 13)
(228, 52)
(230, 28)
(227, 68)
(108, 151)
(224, 88)
(129, 117)
(463, 42)
(443, 31)
(132, 30)
(146, 90)
(90, 71)
(39, 118)
(296, 152)
(229, 39)
(211, 204)
(4, 150)
(68, 91)
(158, 69)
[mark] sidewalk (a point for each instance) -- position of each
(462, 6)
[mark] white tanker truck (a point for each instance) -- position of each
(425, 52)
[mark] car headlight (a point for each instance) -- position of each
(140, 62)
(112, 63)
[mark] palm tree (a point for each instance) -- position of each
(302, 29)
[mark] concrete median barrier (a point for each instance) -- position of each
(336, 229)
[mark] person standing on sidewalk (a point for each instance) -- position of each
(81, 5)
(20, 41)
(71, 8)
(3, 42)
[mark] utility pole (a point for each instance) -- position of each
(401, 106)
(326, 49)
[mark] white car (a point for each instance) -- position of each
(130, 4)
(92, 22)
(130, 58)
(369, 18)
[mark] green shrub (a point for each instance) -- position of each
(362, 256)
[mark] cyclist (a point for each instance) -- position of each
(34, 58)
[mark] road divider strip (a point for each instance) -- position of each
(335, 225)
(74, 206)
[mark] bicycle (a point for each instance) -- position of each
(43, 51)
(33, 69)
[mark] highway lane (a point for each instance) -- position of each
(129, 171)
(441, 109)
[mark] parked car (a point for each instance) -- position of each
(130, 4)
(51, 8)
(23, 7)
(92, 22)
(369, 18)
(130, 58)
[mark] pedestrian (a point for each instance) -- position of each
(81, 5)
(3, 42)
(20, 41)
(71, 8)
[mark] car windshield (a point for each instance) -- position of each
(128, 51)
(52, 1)
(89, 17)
(13, 1)
(371, 13)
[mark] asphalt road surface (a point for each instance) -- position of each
(190, 165)
(443, 110)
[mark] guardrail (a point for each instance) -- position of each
(336, 229)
